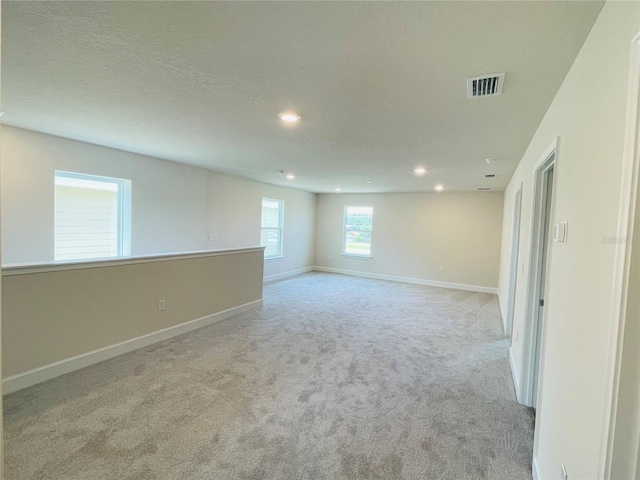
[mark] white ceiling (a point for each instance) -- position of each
(380, 85)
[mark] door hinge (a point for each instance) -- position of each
(542, 302)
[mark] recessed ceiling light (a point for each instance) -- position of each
(439, 188)
(369, 182)
(290, 117)
(290, 176)
(420, 170)
(490, 160)
(338, 189)
(1, 114)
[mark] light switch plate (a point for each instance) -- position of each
(560, 232)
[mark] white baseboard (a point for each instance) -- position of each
(514, 374)
(535, 471)
(290, 273)
(418, 281)
(47, 372)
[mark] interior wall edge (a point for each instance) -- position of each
(514, 375)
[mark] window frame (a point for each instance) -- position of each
(280, 228)
(344, 234)
(123, 209)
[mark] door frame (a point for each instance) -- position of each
(622, 263)
(515, 260)
(548, 160)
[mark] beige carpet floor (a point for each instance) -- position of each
(335, 377)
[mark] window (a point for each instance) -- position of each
(92, 216)
(358, 223)
(271, 234)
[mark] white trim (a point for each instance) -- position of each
(123, 203)
(503, 319)
(47, 372)
(512, 286)
(344, 232)
(27, 268)
(280, 203)
(535, 470)
(514, 375)
(418, 281)
(622, 260)
(290, 273)
(546, 161)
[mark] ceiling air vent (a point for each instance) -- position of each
(490, 175)
(485, 86)
(484, 189)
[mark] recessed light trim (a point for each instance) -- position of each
(338, 189)
(289, 117)
(439, 188)
(419, 170)
(290, 176)
(368, 181)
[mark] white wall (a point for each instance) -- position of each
(588, 116)
(627, 430)
(414, 234)
(235, 209)
(169, 200)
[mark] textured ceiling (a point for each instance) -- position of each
(380, 85)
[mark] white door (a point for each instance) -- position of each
(544, 251)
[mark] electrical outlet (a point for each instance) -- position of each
(441, 269)
(563, 472)
(161, 304)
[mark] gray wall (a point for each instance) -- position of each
(168, 200)
(414, 234)
(174, 206)
(235, 209)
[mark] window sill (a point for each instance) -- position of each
(351, 255)
(271, 259)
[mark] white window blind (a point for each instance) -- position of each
(90, 216)
(358, 226)
(271, 233)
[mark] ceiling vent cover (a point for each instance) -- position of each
(484, 189)
(490, 175)
(485, 86)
